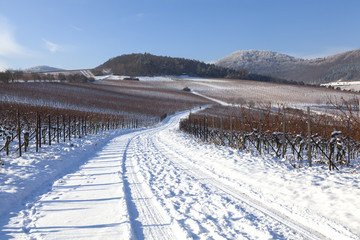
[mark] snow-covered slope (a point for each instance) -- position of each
(43, 68)
(344, 66)
(258, 61)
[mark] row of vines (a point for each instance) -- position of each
(301, 137)
(26, 128)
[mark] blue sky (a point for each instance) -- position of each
(75, 34)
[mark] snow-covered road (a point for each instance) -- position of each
(158, 183)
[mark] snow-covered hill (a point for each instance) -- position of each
(260, 61)
(343, 67)
(43, 68)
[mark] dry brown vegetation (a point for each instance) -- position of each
(271, 119)
(331, 139)
(99, 98)
(242, 92)
(45, 112)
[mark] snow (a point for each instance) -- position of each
(165, 78)
(211, 99)
(160, 183)
(344, 85)
(341, 83)
(141, 78)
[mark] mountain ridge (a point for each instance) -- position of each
(138, 64)
(340, 67)
(43, 68)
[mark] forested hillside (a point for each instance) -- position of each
(151, 65)
(341, 67)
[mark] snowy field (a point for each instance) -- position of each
(240, 92)
(353, 85)
(159, 183)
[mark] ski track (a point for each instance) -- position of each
(140, 186)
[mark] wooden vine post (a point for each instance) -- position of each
(19, 130)
(231, 132)
(309, 138)
(37, 132)
(57, 129)
(64, 128)
(49, 132)
(284, 134)
(348, 142)
(85, 126)
(242, 131)
(39, 139)
(69, 132)
(78, 127)
(259, 132)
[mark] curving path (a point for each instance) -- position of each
(147, 185)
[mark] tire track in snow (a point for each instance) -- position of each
(136, 226)
(148, 219)
(167, 185)
(160, 149)
(218, 186)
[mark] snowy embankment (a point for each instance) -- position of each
(25, 178)
(159, 183)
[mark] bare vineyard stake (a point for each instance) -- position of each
(85, 126)
(69, 128)
(64, 128)
(75, 127)
(322, 154)
(284, 136)
(79, 127)
(242, 131)
(259, 134)
(7, 143)
(207, 128)
(26, 140)
(348, 142)
(37, 132)
(57, 129)
(222, 131)
(204, 129)
(309, 135)
(49, 132)
(19, 131)
(231, 132)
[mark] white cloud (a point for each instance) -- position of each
(8, 44)
(327, 52)
(52, 47)
(133, 18)
(3, 66)
(76, 28)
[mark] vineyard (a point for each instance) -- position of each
(34, 114)
(301, 137)
(27, 128)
